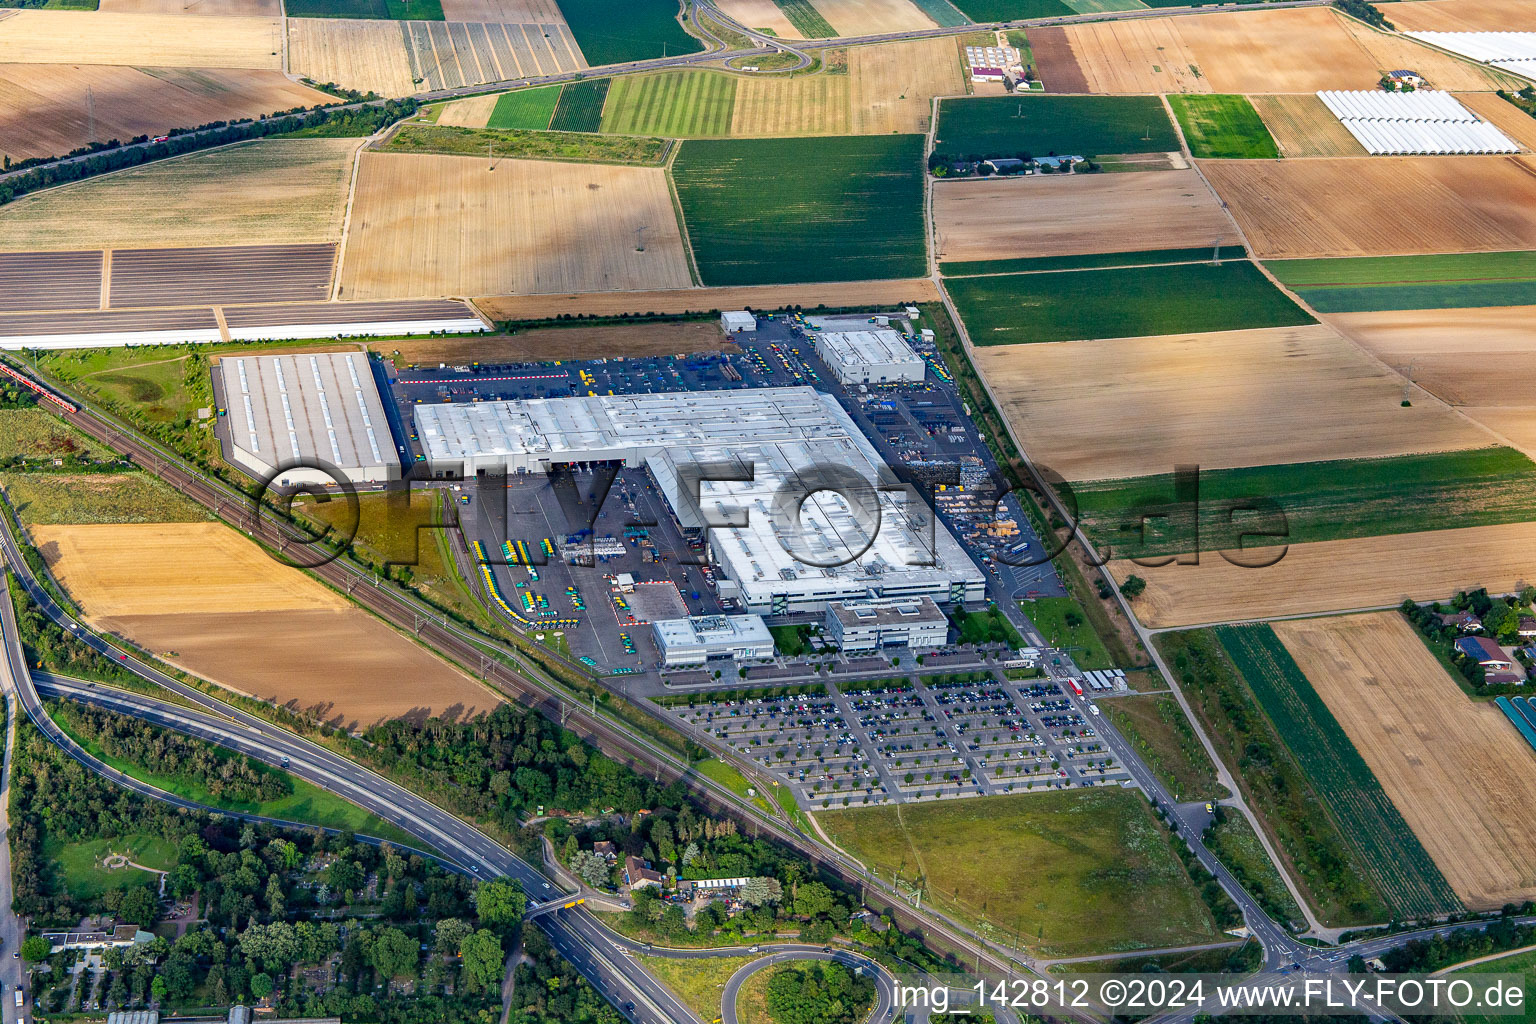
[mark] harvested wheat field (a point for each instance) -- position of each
(140, 40)
(1336, 575)
(1302, 126)
(1443, 71)
(199, 8)
(542, 344)
(1502, 114)
(46, 115)
(504, 12)
(1066, 215)
(445, 225)
(470, 113)
(1452, 351)
(1382, 206)
(1463, 16)
(761, 15)
(804, 105)
(257, 193)
(215, 604)
(1121, 57)
(1131, 407)
(892, 83)
(872, 17)
(362, 55)
(1458, 772)
(704, 300)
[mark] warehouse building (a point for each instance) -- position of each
(322, 407)
(747, 456)
(859, 627)
(880, 356)
(737, 322)
(689, 642)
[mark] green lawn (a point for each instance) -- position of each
(1155, 725)
(1184, 298)
(1223, 127)
(1452, 281)
(580, 107)
(766, 211)
(401, 10)
(1066, 872)
(1042, 125)
(577, 147)
(47, 499)
(80, 872)
(1089, 261)
(728, 776)
(1315, 500)
(698, 983)
(640, 30)
(1049, 614)
(1011, 10)
(1517, 963)
(526, 109)
(687, 103)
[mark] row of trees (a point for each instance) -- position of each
(820, 993)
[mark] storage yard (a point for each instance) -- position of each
(1336, 575)
(140, 40)
(46, 114)
(1404, 713)
(1138, 406)
(1384, 206)
(444, 225)
(1054, 215)
(272, 192)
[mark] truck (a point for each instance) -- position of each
(20, 999)
(1077, 687)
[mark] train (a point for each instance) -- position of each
(42, 390)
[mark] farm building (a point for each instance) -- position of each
(1412, 123)
(1499, 666)
(1405, 79)
(869, 357)
(863, 626)
(751, 456)
(737, 322)
(322, 407)
(988, 75)
(695, 640)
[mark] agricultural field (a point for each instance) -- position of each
(1402, 712)
(140, 40)
(688, 103)
(1523, 963)
(762, 15)
(1303, 126)
(199, 8)
(802, 105)
(527, 109)
(283, 191)
(1088, 261)
(567, 340)
(895, 292)
(651, 29)
(872, 17)
(1171, 299)
(1155, 725)
(215, 617)
(892, 84)
(52, 499)
(362, 55)
(1045, 125)
(1370, 284)
(445, 225)
(805, 19)
(1072, 214)
(383, 10)
(45, 115)
(38, 434)
(504, 12)
(1337, 575)
(475, 112)
(1138, 406)
(1382, 206)
(1319, 501)
(1223, 127)
(566, 147)
(580, 108)
(1446, 350)
(1068, 873)
(1399, 865)
(1012, 10)
(785, 210)
(1461, 16)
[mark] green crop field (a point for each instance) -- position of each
(1219, 127)
(577, 147)
(49, 499)
(1370, 283)
(1043, 125)
(1332, 500)
(1012, 10)
(1516, 963)
(1402, 870)
(646, 29)
(580, 108)
(378, 10)
(1018, 309)
(1105, 6)
(808, 21)
(1155, 725)
(767, 211)
(1065, 873)
(1089, 261)
(526, 109)
(942, 12)
(676, 104)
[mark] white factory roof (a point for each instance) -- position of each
(1512, 51)
(866, 348)
(1404, 123)
(312, 406)
(713, 631)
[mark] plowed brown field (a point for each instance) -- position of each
(1463, 16)
(1456, 769)
(200, 8)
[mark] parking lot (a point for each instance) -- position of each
(910, 737)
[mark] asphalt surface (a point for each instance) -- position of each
(12, 928)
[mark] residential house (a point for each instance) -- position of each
(603, 848)
(1527, 628)
(1498, 666)
(638, 874)
(1462, 620)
